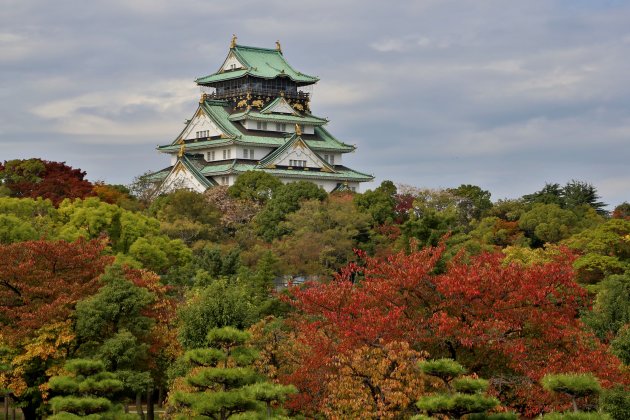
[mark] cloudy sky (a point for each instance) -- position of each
(503, 94)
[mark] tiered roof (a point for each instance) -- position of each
(226, 115)
(219, 112)
(258, 62)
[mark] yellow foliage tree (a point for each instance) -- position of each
(381, 381)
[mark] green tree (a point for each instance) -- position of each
(573, 195)
(575, 385)
(221, 303)
(159, 253)
(286, 200)
(611, 311)
(257, 186)
(547, 223)
(112, 327)
(85, 392)
(620, 346)
(476, 202)
(323, 236)
(605, 250)
(579, 193)
(23, 219)
(616, 402)
(224, 383)
(549, 194)
(379, 203)
(464, 395)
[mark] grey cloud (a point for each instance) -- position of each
(434, 93)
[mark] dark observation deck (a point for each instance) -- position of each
(256, 86)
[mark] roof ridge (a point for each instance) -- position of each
(250, 47)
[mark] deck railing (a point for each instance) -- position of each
(257, 91)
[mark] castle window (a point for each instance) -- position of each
(297, 163)
(332, 159)
(251, 153)
(227, 154)
(261, 125)
(245, 153)
(225, 180)
(281, 127)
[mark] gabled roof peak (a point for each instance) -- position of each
(266, 63)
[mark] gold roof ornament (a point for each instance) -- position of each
(278, 47)
(203, 98)
(233, 43)
(182, 150)
(298, 130)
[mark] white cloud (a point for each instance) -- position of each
(103, 112)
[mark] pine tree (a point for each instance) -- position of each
(574, 385)
(465, 395)
(85, 392)
(224, 383)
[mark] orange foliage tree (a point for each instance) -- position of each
(506, 321)
(40, 284)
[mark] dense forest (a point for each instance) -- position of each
(271, 300)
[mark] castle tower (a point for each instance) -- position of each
(256, 117)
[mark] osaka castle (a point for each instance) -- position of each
(256, 116)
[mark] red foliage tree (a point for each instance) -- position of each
(500, 320)
(41, 281)
(32, 178)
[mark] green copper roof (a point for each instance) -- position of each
(282, 118)
(267, 109)
(218, 112)
(235, 167)
(258, 62)
(195, 167)
(271, 157)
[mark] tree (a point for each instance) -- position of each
(549, 194)
(186, 215)
(616, 402)
(41, 281)
(572, 196)
(235, 212)
(116, 194)
(256, 186)
(224, 384)
(92, 218)
(579, 193)
(23, 219)
(502, 320)
(611, 311)
(219, 304)
(85, 392)
(380, 381)
(40, 284)
(464, 394)
(126, 325)
(605, 250)
(380, 204)
(286, 200)
(145, 188)
(477, 201)
(576, 386)
(622, 211)
(35, 178)
(323, 236)
(547, 223)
